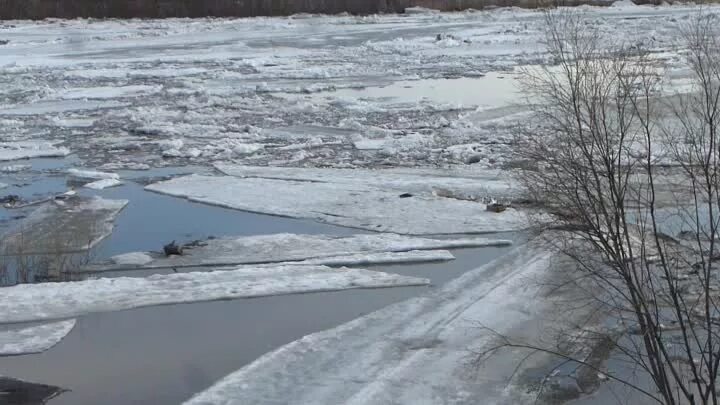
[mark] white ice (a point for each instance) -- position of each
(415, 352)
(365, 259)
(30, 149)
(107, 92)
(92, 174)
(316, 249)
(33, 339)
(351, 204)
(32, 302)
(395, 81)
(467, 181)
(14, 168)
(133, 258)
(103, 184)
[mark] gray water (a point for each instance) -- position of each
(164, 354)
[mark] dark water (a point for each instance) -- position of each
(163, 355)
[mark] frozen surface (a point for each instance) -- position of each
(318, 249)
(108, 92)
(92, 174)
(31, 302)
(414, 352)
(419, 89)
(103, 184)
(360, 259)
(465, 182)
(33, 339)
(30, 149)
(350, 204)
(133, 258)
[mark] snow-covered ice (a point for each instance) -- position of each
(365, 259)
(132, 258)
(467, 181)
(92, 174)
(316, 249)
(33, 339)
(31, 149)
(362, 206)
(33, 302)
(414, 352)
(107, 92)
(103, 184)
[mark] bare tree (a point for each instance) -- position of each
(631, 176)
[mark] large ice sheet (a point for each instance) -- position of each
(33, 339)
(31, 302)
(348, 204)
(30, 149)
(466, 182)
(414, 352)
(285, 247)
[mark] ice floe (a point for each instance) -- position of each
(351, 204)
(31, 149)
(315, 249)
(92, 174)
(33, 302)
(103, 184)
(413, 352)
(33, 339)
